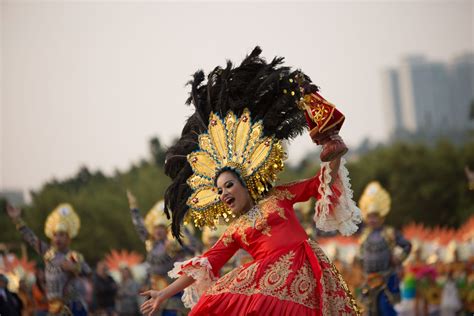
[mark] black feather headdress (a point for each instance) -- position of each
(269, 91)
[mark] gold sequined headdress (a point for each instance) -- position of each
(375, 199)
(62, 218)
(237, 144)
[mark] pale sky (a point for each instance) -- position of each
(89, 83)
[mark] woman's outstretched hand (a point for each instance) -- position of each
(153, 303)
(156, 298)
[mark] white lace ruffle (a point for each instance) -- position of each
(345, 215)
(200, 270)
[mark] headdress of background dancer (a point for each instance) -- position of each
(62, 219)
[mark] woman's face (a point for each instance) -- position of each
(233, 193)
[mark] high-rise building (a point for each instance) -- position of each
(393, 106)
(462, 87)
(430, 99)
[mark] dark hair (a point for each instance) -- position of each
(234, 171)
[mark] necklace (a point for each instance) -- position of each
(253, 214)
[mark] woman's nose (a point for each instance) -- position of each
(223, 193)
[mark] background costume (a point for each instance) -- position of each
(378, 248)
(64, 290)
(161, 254)
(242, 114)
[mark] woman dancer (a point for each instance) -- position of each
(224, 167)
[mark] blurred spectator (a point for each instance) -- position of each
(127, 297)
(10, 303)
(105, 290)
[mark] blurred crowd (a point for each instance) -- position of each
(434, 271)
(113, 288)
(437, 278)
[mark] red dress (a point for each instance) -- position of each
(290, 274)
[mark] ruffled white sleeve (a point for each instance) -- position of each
(335, 209)
(200, 270)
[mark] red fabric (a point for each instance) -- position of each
(240, 305)
(219, 254)
(321, 114)
(309, 120)
(283, 260)
(39, 299)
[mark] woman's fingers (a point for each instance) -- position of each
(155, 307)
(146, 307)
(145, 311)
(150, 306)
(146, 293)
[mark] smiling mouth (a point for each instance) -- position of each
(229, 201)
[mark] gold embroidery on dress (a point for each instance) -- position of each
(293, 183)
(275, 276)
(267, 206)
(303, 285)
(239, 280)
(274, 282)
(245, 278)
(337, 298)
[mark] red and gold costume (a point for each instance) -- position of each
(290, 274)
(242, 115)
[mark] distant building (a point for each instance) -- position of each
(430, 99)
(393, 105)
(462, 87)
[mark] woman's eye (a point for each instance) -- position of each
(219, 191)
(229, 184)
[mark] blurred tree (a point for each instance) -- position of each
(158, 152)
(427, 185)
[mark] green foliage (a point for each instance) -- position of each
(102, 205)
(157, 151)
(427, 185)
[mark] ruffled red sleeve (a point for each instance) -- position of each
(303, 190)
(334, 209)
(221, 252)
